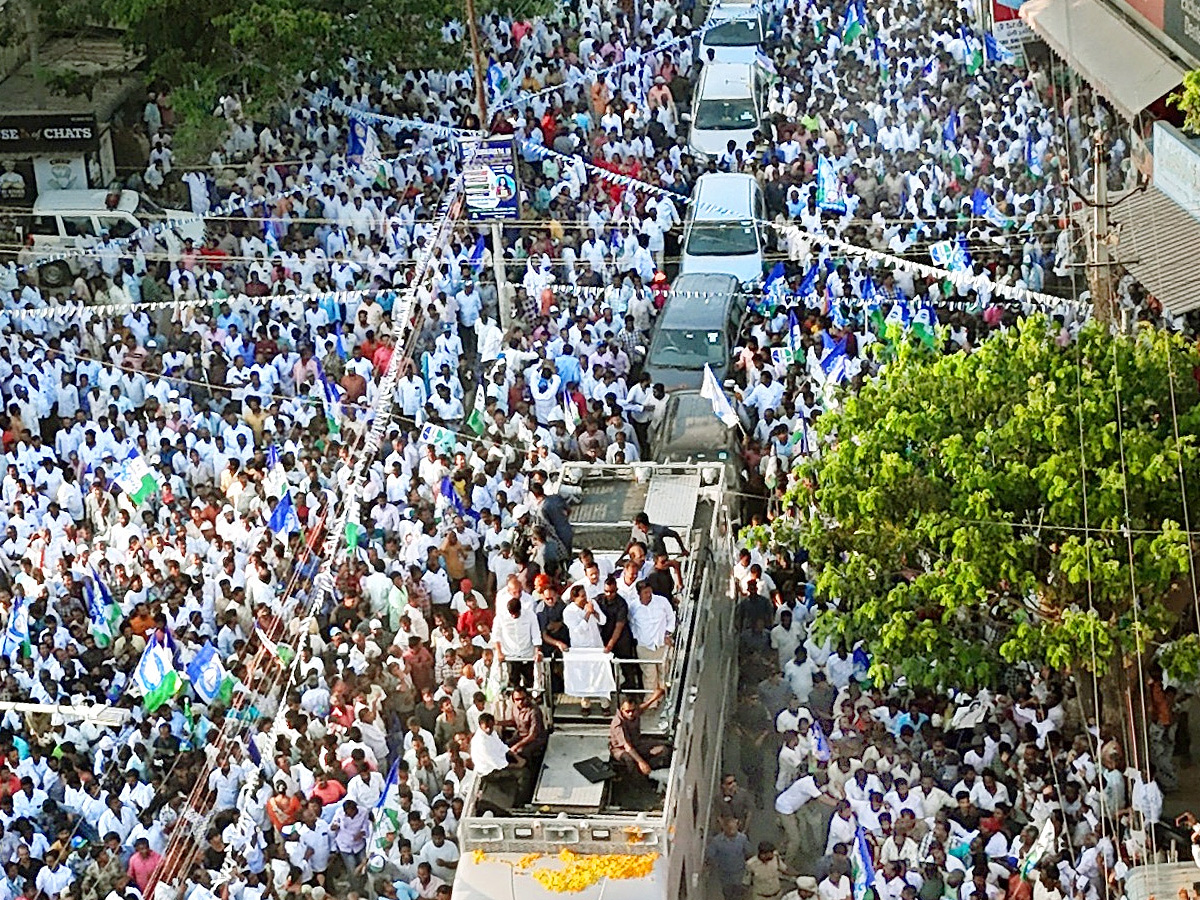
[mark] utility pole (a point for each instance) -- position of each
(485, 127)
(1100, 270)
(480, 68)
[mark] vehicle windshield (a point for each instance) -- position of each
(734, 33)
(726, 115)
(687, 349)
(722, 239)
(148, 212)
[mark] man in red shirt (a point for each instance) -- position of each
(473, 618)
(143, 863)
(382, 357)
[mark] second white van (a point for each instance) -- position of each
(730, 105)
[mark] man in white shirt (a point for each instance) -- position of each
(494, 762)
(652, 623)
(517, 637)
(803, 811)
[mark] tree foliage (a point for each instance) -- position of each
(261, 45)
(948, 516)
(1188, 100)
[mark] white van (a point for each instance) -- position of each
(723, 233)
(734, 32)
(729, 105)
(62, 221)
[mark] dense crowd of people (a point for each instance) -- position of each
(920, 794)
(247, 404)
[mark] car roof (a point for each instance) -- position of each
(705, 282)
(689, 428)
(707, 312)
(727, 12)
(79, 201)
(726, 81)
(728, 190)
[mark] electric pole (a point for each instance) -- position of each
(1100, 268)
(485, 128)
(479, 67)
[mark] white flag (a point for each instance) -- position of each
(711, 391)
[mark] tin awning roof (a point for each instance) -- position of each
(1157, 241)
(1087, 33)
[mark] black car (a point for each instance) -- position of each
(689, 432)
(698, 325)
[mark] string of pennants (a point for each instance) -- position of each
(71, 310)
(958, 279)
(321, 99)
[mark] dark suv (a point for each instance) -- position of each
(699, 324)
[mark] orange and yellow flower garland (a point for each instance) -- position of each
(580, 871)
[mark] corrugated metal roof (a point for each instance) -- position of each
(1087, 34)
(1157, 241)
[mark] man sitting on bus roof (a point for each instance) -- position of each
(625, 741)
(502, 773)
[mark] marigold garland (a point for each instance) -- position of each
(580, 872)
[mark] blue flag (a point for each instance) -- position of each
(795, 332)
(949, 255)
(16, 636)
(982, 205)
(283, 516)
(357, 142)
(446, 489)
(392, 780)
(269, 237)
(950, 129)
(862, 662)
(997, 52)
(966, 254)
(881, 61)
(339, 347)
(775, 288)
(979, 201)
(899, 314)
(206, 673)
(1033, 161)
(808, 286)
(831, 194)
(870, 300)
(497, 81)
(332, 401)
(861, 865)
(833, 360)
(820, 744)
(837, 315)
(476, 257)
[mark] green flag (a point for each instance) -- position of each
(135, 478)
(475, 421)
(167, 688)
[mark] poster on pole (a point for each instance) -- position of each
(490, 180)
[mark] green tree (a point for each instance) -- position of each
(1188, 100)
(262, 48)
(971, 509)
